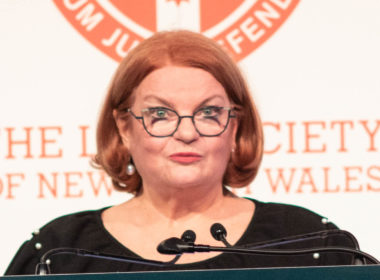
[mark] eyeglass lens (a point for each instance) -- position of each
(208, 121)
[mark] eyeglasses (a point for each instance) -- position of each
(208, 121)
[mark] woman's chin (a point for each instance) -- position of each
(186, 180)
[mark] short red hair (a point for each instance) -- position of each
(179, 48)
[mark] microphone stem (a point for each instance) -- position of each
(43, 266)
(286, 252)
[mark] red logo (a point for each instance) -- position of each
(116, 26)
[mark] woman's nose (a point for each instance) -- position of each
(186, 131)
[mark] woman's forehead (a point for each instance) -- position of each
(171, 83)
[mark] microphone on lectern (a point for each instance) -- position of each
(178, 246)
(189, 236)
(175, 246)
(219, 232)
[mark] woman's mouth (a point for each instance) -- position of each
(185, 157)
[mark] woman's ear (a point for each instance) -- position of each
(121, 127)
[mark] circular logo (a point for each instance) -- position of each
(116, 26)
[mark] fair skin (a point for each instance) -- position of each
(179, 192)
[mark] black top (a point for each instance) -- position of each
(85, 230)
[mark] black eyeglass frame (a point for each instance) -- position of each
(229, 109)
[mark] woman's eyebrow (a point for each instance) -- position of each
(161, 100)
(171, 105)
(211, 98)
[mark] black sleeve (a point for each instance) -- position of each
(26, 259)
(78, 230)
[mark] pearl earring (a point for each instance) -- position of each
(130, 169)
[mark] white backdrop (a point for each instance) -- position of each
(315, 80)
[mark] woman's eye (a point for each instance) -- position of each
(161, 113)
(207, 111)
(158, 113)
(210, 111)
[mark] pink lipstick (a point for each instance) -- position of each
(185, 157)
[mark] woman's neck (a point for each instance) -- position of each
(178, 203)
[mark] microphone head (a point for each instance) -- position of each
(218, 231)
(171, 246)
(188, 236)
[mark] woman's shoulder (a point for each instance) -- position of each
(72, 222)
(288, 219)
(71, 230)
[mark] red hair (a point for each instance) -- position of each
(179, 48)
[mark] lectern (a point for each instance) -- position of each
(368, 272)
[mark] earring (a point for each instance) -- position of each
(130, 169)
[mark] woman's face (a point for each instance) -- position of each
(184, 159)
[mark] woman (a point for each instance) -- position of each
(177, 126)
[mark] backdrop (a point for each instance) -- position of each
(312, 66)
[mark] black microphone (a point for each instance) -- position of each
(219, 232)
(170, 246)
(177, 246)
(189, 236)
